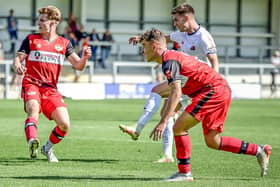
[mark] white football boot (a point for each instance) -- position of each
(164, 159)
(49, 154)
(177, 177)
(263, 158)
(33, 148)
(130, 131)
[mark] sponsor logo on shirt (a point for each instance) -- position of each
(58, 48)
(47, 57)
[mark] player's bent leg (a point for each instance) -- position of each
(183, 147)
(162, 89)
(213, 139)
(184, 123)
(32, 108)
(150, 108)
(234, 145)
(61, 117)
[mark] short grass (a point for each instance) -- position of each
(96, 153)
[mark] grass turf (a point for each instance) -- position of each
(96, 153)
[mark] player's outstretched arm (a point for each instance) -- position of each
(17, 63)
(80, 63)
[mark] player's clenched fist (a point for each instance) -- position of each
(87, 52)
(20, 69)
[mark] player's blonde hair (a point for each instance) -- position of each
(183, 9)
(152, 36)
(52, 12)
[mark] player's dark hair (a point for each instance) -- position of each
(183, 9)
(52, 12)
(152, 35)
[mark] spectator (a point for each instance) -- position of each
(70, 36)
(275, 60)
(94, 37)
(105, 49)
(73, 24)
(81, 33)
(12, 29)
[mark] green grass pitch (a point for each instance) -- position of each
(96, 153)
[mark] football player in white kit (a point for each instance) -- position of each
(193, 40)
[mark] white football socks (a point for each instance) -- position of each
(167, 138)
(151, 107)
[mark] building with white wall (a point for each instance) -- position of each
(250, 23)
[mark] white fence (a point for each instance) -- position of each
(259, 68)
(5, 74)
(258, 73)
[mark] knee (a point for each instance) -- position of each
(155, 90)
(64, 126)
(212, 142)
(32, 106)
(177, 130)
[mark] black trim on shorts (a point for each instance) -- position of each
(202, 102)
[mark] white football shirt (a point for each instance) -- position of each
(199, 43)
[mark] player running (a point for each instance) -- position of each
(44, 54)
(210, 95)
(193, 39)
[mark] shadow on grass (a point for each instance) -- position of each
(89, 160)
(108, 178)
(24, 160)
(127, 178)
(228, 178)
(17, 161)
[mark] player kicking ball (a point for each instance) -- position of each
(44, 54)
(210, 99)
(193, 39)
